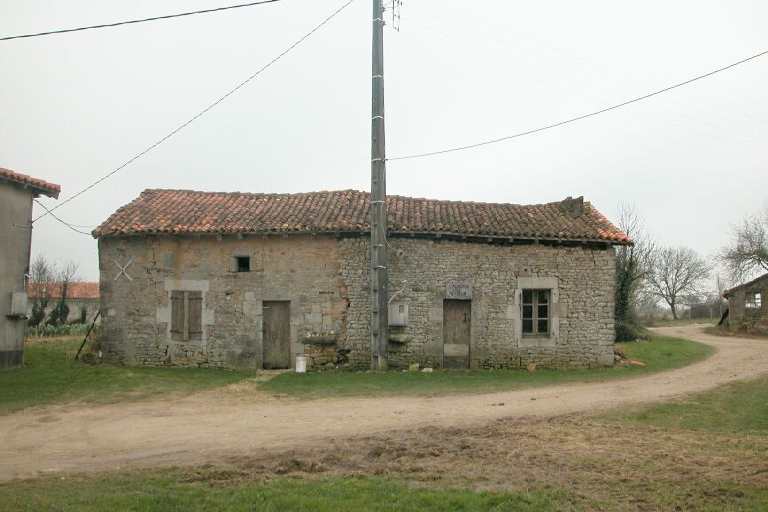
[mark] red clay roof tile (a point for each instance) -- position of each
(191, 212)
(42, 186)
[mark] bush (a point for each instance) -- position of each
(629, 331)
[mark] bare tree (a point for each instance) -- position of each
(42, 277)
(632, 264)
(675, 273)
(748, 252)
(66, 275)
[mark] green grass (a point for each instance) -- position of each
(50, 375)
(661, 353)
(738, 408)
(167, 492)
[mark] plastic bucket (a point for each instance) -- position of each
(301, 364)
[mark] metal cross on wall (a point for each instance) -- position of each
(123, 269)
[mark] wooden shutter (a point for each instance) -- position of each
(177, 315)
(195, 305)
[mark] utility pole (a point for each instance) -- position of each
(378, 246)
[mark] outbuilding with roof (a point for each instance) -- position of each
(253, 280)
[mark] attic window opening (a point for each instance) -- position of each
(243, 263)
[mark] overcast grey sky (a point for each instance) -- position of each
(693, 161)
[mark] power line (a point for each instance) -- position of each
(577, 118)
(142, 20)
(202, 112)
(70, 226)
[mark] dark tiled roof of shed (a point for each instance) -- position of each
(41, 186)
(191, 212)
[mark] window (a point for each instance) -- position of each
(243, 263)
(186, 316)
(536, 313)
(754, 301)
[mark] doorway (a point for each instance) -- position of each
(457, 328)
(276, 335)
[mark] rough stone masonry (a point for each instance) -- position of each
(174, 293)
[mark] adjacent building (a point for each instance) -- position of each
(82, 299)
(16, 194)
(747, 310)
(253, 280)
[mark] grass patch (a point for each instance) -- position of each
(738, 408)
(50, 375)
(661, 353)
(168, 491)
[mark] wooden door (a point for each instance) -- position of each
(276, 335)
(457, 328)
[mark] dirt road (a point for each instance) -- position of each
(210, 426)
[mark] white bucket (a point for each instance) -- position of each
(301, 364)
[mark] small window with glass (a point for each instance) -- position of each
(536, 312)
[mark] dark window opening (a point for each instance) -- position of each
(243, 263)
(536, 312)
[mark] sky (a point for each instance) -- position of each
(693, 162)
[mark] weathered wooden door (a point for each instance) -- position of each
(276, 335)
(457, 326)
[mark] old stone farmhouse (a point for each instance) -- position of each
(252, 280)
(747, 309)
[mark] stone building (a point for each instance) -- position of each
(746, 306)
(252, 280)
(16, 194)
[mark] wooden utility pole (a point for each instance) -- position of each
(378, 248)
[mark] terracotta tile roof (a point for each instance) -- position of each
(41, 186)
(75, 291)
(190, 212)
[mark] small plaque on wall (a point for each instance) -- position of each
(458, 290)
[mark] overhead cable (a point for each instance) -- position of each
(202, 112)
(577, 118)
(142, 20)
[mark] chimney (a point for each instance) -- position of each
(573, 207)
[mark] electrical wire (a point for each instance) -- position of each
(202, 112)
(70, 226)
(142, 20)
(577, 118)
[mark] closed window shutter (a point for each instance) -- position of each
(177, 315)
(195, 303)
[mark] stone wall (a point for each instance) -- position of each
(582, 280)
(136, 330)
(326, 281)
(742, 317)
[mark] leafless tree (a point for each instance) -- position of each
(676, 272)
(748, 252)
(66, 275)
(632, 265)
(42, 278)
